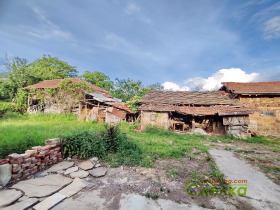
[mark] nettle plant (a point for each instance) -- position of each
(68, 94)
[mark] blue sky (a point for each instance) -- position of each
(183, 42)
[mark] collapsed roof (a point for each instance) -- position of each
(187, 98)
(193, 103)
(109, 100)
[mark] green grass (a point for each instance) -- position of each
(20, 132)
(159, 143)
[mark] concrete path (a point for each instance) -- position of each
(261, 192)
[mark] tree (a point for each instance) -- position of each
(132, 91)
(19, 73)
(99, 79)
(47, 68)
(125, 89)
(17, 76)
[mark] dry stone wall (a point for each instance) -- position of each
(35, 159)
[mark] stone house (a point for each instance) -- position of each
(265, 98)
(185, 111)
(97, 105)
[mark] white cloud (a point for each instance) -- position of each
(48, 28)
(214, 82)
(174, 87)
(272, 28)
(131, 8)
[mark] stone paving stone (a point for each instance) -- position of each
(43, 186)
(79, 174)
(50, 202)
(73, 188)
(9, 196)
(25, 204)
(71, 170)
(60, 166)
(86, 165)
(98, 172)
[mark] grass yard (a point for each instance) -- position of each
(20, 132)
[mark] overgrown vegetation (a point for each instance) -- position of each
(110, 144)
(20, 131)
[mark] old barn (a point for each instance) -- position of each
(186, 111)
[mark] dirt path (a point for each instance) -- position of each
(261, 192)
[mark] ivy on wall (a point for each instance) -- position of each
(68, 94)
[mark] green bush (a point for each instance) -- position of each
(84, 144)
(110, 144)
(7, 107)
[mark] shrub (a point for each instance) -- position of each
(7, 107)
(84, 144)
(110, 144)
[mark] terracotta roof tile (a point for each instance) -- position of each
(187, 98)
(119, 105)
(55, 83)
(252, 87)
(222, 110)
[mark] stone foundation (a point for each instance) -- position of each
(36, 159)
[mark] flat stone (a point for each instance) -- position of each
(71, 170)
(93, 160)
(73, 188)
(9, 196)
(50, 202)
(60, 166)
(79, 174)
(97, 165)
(86, 165)
(98, 172)
(5, 174)
(43, 186)
(25, 204)
(138, 202)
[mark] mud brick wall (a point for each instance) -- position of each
(160, 119)
(35, 159)
(261, 124)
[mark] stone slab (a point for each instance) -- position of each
(50, 202)
(79, 174)
(43, 186)
(5, 174)
(138, 202)
(60, 166)
(71, 170)
(263, 193)
(73, 188)
(86, 165)
(9, 196)
(25, 204)
(98, 172)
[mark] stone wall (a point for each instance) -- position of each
(259, 122)
(35, 159)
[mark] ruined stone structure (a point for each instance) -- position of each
(212, 112)
(38, 158)
(265, 98)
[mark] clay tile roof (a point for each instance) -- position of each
(187, 98)
(119, 105)
(252, 87)
(55, 83)
(222, 110)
